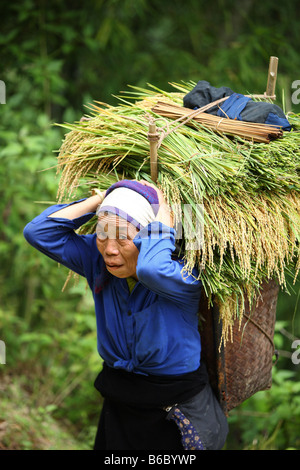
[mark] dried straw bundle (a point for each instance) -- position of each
(250, 191)
(250, 131)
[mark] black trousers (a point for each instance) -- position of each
(133, 417)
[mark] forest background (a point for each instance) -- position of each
(56, 57)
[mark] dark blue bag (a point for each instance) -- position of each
(237, 106)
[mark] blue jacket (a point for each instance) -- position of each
(153, 330)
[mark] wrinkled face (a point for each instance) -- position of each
(114, 241)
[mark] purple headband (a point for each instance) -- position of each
(149, 193)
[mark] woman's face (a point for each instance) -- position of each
(114, 241)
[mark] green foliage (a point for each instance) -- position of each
(270, 419)
(27, 425)
(57, 57)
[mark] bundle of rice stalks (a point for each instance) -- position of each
(247, 193)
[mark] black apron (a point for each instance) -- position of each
(136, 408)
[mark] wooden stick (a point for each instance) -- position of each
(249, 130)
(153, 137)
(272, 77)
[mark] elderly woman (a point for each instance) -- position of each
(155, 387)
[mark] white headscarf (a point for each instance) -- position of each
(130, 205)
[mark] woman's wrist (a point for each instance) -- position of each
(165, 215)
(73, 211)
(93, 202)
(100, 194)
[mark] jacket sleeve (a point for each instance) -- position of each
(56, 238)
(156, 269)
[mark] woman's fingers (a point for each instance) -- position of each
(100, 194)
(160, 194)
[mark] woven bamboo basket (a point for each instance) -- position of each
(244, 366)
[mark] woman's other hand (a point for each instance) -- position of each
(165, 214)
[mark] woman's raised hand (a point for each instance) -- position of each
(165, 214)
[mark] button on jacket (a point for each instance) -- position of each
(154, 329)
